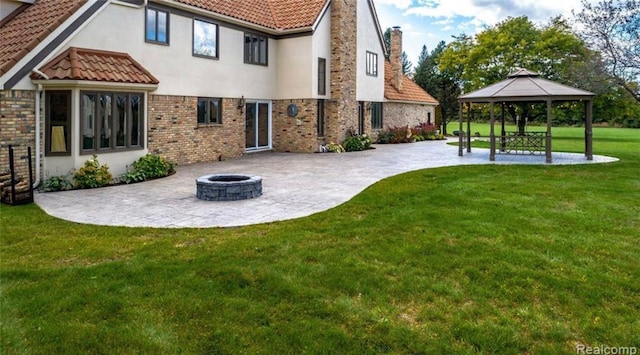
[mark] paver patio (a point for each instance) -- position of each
(294, 185)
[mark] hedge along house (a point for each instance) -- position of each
(194, 80)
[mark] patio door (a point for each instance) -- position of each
(258, 125)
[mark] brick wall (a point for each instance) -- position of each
(175, 134)
(17, 128)
(342, 110)
(295, 134)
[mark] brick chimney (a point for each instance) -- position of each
(396, 58)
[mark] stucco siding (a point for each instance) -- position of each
(370, 88)
(295, 74)
(121, 29)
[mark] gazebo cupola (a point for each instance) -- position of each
(524, 87)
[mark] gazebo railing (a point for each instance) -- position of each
(529, 143)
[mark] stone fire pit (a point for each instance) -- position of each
(228, 187)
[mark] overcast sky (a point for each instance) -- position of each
(427, 22)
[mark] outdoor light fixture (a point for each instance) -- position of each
(241, 102)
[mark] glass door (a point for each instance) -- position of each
(258, 125)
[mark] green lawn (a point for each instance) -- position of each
(474, 259)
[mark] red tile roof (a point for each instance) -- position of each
(23, 32)
(410, 92)
(274, 14)
(89, 64)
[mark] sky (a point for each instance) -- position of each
(427, 22)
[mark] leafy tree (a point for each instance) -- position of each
(406, 63)
(552, 50)
(613, 29)
(442, 84)
(511, 44)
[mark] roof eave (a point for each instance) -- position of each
(525, 98)
(431, 103)
(57, 83)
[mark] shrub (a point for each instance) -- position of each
(56, 183)
(385, 137)
(92, 174)
(428, 129)
(335, 148)
(148, 167)
(357, 142)
(353, 144)
(400, 134)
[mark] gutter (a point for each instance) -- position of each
(39, 92)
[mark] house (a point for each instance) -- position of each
(194, 80)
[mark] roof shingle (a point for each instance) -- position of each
(274, 14)
(22, 33)
(94, 65)
(410, 92)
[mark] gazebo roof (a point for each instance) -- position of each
(525, 85)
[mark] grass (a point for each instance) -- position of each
(473, 259)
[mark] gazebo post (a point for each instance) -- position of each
(588, 130)
(492, 135)
(460, 130)
(469, 129)
(503, 132)
(547, 148)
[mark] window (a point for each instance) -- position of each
(205, 39)
(320, 120)
(209, 110)
(157, 26)
(372, 64)
(376, 115)
(58, 123)
(255, 49)
(322, 76)
(110, 121)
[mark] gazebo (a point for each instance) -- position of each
(524, 86)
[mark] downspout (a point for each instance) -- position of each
(39, 92)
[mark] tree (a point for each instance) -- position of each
(551, 50)
(613, 29)
(442, 84)
(406, 63)
(512, 44)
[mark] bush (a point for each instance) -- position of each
(428, 130)
(357, 142)
(92, 174)
(402, 134)
(148, 167)
(56, 183)
(385, 137)
(353, 144)
(335, 148)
